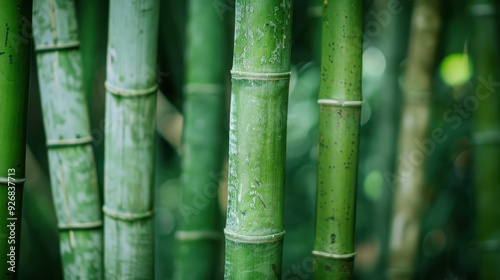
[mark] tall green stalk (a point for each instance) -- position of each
(339, 121)
(260, 78)
(410, 174)
(65, 115)
(15, 50)
(130, 131)
(384, 125)
(199, 235)
(486, 130)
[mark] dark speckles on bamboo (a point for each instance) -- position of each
(333, 238)
(6, 34)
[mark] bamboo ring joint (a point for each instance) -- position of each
(241, 75)
(126, 216)
(401, 271)
(333, 256)
(486, 138)
(6, 181)
(340, 103)
(417, 97)
(79, 226)
(315, 11)
(199, 88)
(481, 10)
(118, 91)
(69, 142)
(197, 235)
(248, 239)
(489, 245)
(57, 47)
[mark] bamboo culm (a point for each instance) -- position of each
(15, 53)
(486, 126)
(257, 136)
(410, 180)
(338, 137)
(130, 137)
(204, 140)
(69, 142)
(385, 124)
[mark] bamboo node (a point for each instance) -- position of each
(340, 103)
(400, 271)
(126, 216)
(481, 10)
(15, 181)
(241, 75)
(249, 239)
(417, 97)
(69, 142)
(333, 256)
(200, 88)
(486, 138)
(57, 47)
(115, 90)
(79, 226)
(197, 235)
(492, 245)
(315, 11)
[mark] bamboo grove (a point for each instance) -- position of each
(345, 139)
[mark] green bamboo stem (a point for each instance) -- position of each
(385, 124)
(71, 160)
(339, 120)
(129, 147)
(410, 174)
(260, 78)
(204, 140)
(486, 122)
(15, 50)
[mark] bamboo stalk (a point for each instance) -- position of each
(486, 126)
(15, 50)
(71, 160)
(260, 78)
(129, 146)
(410, 174)
(338, 136)
(204, 141)
(385, 124)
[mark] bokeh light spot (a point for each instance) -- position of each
(373, 185)
(456, 69)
